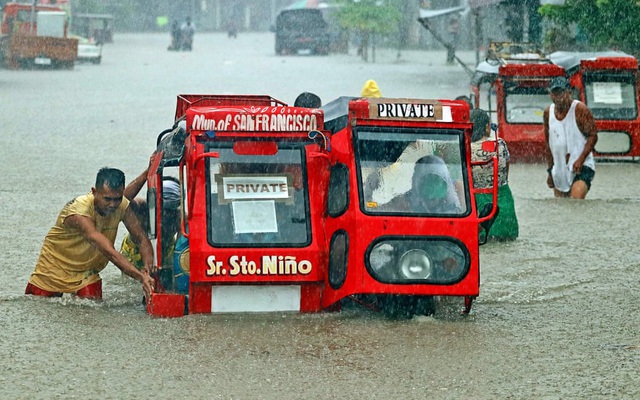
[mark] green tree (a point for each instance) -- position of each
(368, 18)
(605, 24)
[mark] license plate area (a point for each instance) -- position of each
(42, 61)
(253, 298)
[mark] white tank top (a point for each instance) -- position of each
(565, 138)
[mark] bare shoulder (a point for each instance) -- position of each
(582, 109)
(584, 119)
(545, 115)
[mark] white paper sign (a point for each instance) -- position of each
(254, 216)
(607, 92)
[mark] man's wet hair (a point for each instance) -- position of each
(480, 119)
(111, 177)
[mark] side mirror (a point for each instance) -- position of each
(486, 225)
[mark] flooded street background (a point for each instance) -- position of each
(557, 316)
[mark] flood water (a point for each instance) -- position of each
(558, 311)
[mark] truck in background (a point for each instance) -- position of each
(301, 31)
(35, 35)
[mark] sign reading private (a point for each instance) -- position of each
(405, 109)
(255, 187)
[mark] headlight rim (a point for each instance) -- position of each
(386, 279)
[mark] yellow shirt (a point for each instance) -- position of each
(67, 261)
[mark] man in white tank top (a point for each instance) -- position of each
(571, 135)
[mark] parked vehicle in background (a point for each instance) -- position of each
(35, 35)
(296, 209)
(512, 84)
(607, 82)
(95, 27)
(88, 50)
(301, 31)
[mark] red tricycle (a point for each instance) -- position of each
(297, 209)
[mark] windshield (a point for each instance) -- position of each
(257, 200)
(525, 105)
(412, 172)
(611, 96)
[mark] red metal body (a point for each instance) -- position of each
(525, 138)
(609, 85)
(279, 215)
(514, 90)
(363, 229)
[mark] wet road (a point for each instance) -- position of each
(557, 316)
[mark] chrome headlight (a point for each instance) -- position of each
(415, 264)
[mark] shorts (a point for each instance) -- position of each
(93, 291)
(586, 175)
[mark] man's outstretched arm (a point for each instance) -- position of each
(88, 230)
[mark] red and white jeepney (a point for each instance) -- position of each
(295, 209)
(512, 84)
